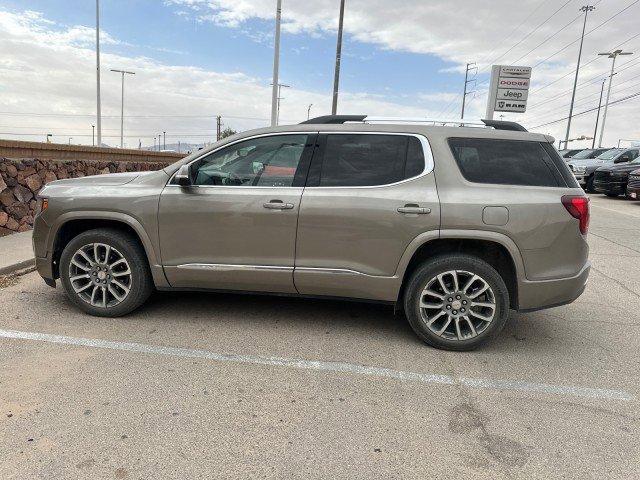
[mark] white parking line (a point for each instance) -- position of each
(337, 367)
(615, 211)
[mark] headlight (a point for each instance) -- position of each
(41, 205)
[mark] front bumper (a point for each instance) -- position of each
(617, 188)
(633, 193)
(538, 295)
(581, 178)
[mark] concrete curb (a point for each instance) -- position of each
(16, 253)
(25, 266)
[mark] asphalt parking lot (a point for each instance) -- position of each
(226, 386)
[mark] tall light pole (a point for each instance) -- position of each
(93, 135)
(278, 98)
(613, 55)
(595, 130)
(98, 112)
(164, 140)
(586, 9)
(122, 73)
(336, 75)
(309, 110)
(466, 82)
(276, 66)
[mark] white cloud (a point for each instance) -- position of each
(46, 67)
(464, 31)
(47, 72)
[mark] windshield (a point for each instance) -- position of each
(583, 154)
(610, 154)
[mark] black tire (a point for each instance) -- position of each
(140, 282)
(427, 272)
(589, 188)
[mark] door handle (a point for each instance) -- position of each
(415, 209)
(277, 205)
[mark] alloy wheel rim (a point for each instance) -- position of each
(100, 275)
(457, 305)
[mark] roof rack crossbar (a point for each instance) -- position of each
(341, 119)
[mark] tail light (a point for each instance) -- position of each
(578, 207)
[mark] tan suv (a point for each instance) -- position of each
(455, 225)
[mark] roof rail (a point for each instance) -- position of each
(333, 119)
(339, 119)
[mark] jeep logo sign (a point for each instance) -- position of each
(509, 89)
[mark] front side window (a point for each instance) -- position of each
(258, 162)
(506, 162)
(355, 160)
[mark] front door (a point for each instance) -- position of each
(235, 227)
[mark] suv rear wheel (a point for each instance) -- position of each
(105, 272)
(456, 302)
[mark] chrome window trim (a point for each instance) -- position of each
(429, 163)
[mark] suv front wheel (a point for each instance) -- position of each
(105, 272)
(456, 302)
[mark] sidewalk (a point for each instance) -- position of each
(16, 252)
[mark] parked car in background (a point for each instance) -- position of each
(633, 186)
(612, 180)
(334, 209)
(569, 152)
(587, 153)
(584, 169)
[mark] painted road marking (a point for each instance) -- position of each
(336, 367)
(615, 211)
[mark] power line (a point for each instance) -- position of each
(528, 34)
(620, 100)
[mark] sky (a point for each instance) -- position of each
(196, 59)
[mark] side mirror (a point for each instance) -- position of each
(183, 176)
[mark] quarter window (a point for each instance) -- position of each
(263, 162)
(505, 162)
(369, 160)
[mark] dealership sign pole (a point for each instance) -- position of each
(508, 89)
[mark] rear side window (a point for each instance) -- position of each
(355, 160)
(505, 162)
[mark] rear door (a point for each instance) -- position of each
(367, 197)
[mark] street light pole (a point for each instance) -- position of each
(93, 135)
(276, 66)
(164, 140)
(336, 75)
(122, 72)
(586, 9)
(278, 98)
(98, 111)
(613, 55)
(595, 130)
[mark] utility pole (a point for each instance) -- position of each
(164, 140)
(336, 76)
(154, 143)
(613, 55)
(586, 9)
(276, 66)
(466, 82)
(595, 130)
(218, 127)
(99, 113)
(309, 110)
(93, 135)
(122, 73)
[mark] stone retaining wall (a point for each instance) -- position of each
(22, 179)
